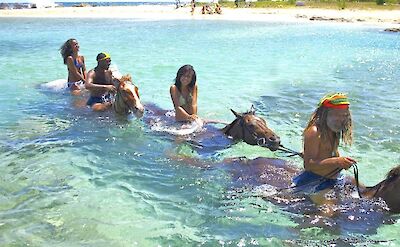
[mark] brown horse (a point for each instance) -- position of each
(279, 173)
(252, 129)
(271, 180)
(127, 99)
(246, 126)
(388, 190)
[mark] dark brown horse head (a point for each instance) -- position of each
(389, 188)
(252, 129)
(127, 99)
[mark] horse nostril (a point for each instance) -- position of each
(275, 139)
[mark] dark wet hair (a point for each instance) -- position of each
(182, 70)
(66, 50)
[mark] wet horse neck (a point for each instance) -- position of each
(119, 105)
(371, 192)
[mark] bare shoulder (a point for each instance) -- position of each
(70, 59)
(311, 133)
(91, 73)
(173, 89)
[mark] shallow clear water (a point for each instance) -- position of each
(71, 177)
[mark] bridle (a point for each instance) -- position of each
(260, 141)
(124, 100)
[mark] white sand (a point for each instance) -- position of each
(386, 18)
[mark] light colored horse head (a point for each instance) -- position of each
(127, 99)
(252, 129)
(388, 190)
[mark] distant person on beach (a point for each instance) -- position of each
(100, 83)
(193, 6)
(329, 124)
(184, 94)
(75, 64)
(218, 9)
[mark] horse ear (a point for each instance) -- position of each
(238, 115)
(137, 91)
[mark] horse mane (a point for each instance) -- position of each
(126, 78)
(228, 127)
(392, 174)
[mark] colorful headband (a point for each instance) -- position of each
(336, 101)
(106, 56)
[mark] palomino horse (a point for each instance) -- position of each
(271, 179)
(127, 98)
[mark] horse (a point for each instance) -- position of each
(271, 180)
(127, 99)
(208, 138)
(252, 129)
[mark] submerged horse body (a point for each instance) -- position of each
(247, 127)
(271, 179)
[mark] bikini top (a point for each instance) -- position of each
(77, 64)
(183, 101)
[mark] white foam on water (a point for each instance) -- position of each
(178, 129)
(55, 86)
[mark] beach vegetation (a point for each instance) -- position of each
(324, 4)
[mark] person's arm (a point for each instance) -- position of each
(84, 68)
(193, 106)
(73, 70)
(89, 85)
(180, 113)
(312, 161)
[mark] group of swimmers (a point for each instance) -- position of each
(329, 124)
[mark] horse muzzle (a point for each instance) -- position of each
(138, 111)
(272, 143)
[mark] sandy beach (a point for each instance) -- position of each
(385, 18)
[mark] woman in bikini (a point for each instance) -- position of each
(184, 94)
(75, 64)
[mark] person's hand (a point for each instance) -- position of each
(111, 88)
(192, 117)
(345, 162)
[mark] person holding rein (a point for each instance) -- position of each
(329, 124)
(100, 83)
(75, 64)
(184, 94)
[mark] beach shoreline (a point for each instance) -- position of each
(381, 18)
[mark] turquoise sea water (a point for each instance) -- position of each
(70, 177)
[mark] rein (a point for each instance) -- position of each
(355, 171)
(289, 151)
